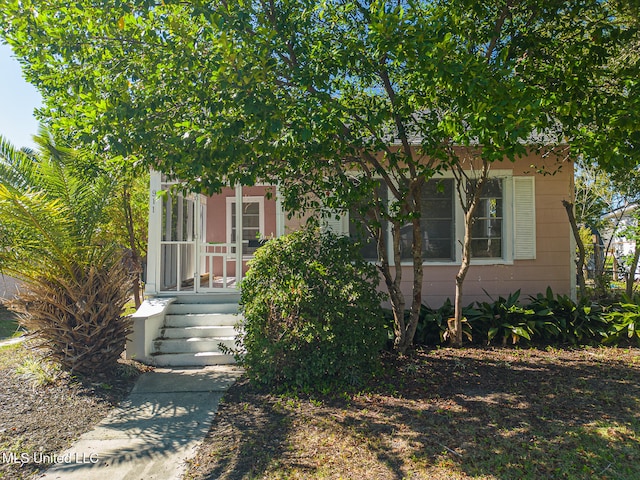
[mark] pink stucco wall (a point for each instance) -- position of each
(217, 207)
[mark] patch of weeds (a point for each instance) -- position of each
(127, 371)
(39, 370)
(12, 445)
(8, 356)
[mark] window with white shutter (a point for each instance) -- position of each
(504, 230)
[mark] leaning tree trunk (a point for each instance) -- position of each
(392, 278)
(469, 192)
(135, 261)
(581, 250)
(455, 327)
(392, 281)
(404, 330)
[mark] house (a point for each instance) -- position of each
(8, 287)
(199, 248)
(621, 244)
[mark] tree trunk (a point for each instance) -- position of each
(395, 292)
(581, 251)
(468, 195)
(456, 331)
(404, 330)
(416, 303)
(631, 277)
(392, 281)
(136, 264)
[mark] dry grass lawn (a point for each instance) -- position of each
(443, 414)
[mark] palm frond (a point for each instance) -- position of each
(62, 177)
(78, 322)
(74, 289)
(48, 148)
(39, 231)
(17, 167)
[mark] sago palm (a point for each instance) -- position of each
(74, 287)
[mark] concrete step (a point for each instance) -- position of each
(199, 359)
(186, 308)
(201, 319)
(202, 331)
(194, 328)
(193, 345)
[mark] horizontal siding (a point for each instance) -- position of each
(552, 266)
(497, 280)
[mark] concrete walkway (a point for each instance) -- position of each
(151, 434)
(11, 341)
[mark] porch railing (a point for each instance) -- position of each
(223, 252)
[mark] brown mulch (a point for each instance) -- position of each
(477, 413)
(37, 420)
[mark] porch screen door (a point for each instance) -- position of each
(178, 265)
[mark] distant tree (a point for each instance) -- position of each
(341, 103)
(627, 182)
(598, 206)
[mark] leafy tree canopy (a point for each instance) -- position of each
(235, 90)
(302, 92)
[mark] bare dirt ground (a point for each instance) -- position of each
(436, 414)
(494, 413)
(45, 419)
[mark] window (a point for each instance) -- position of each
(437, 220)
(504, 227)
(438, 224)
(486, 230)
(252, 222)
(359, 233)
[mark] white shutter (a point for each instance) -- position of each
(524, 214)
(339, 225)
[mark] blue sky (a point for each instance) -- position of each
(18, 99)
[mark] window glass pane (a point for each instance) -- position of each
(250, 221)
(251, 208)
(360, 234)
(486, 230)
(250, 225)
(486, 248)
(437, 221)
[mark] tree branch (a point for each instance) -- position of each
(497, 30)
(402, 132)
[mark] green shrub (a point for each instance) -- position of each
(577, 323)
(433, 328)
(312, 315)
(432, 324)
(503, 319)
(624, 324)
(545, 319)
